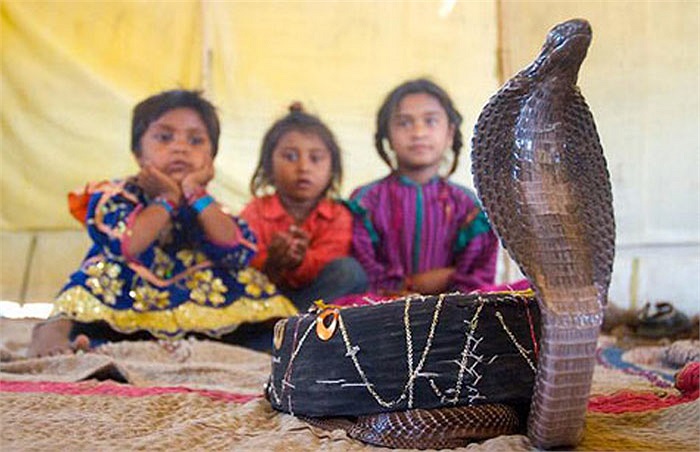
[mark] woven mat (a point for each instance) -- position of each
(203, 395)
(190, 363)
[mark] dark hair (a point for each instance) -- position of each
(297, 119)
(392, 101)
(152, 108)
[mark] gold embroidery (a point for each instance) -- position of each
(204, 287)
(148, 297)
(163, 266)
(80, 305)
(103, 281)
(190, 258)
(255, 282)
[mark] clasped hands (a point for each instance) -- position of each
(287, 249)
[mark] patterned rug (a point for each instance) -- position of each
(204, 395)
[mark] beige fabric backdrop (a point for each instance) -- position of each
(71, 73)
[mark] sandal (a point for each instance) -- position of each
(661, 320)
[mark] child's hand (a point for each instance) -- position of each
(298, 245)
(157, 183)
(278, 252)
(432, 281)
(198, 179)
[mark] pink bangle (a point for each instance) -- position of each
(167, 204)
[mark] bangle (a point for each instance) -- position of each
(195, 194)
(167, 204)
(202, 203)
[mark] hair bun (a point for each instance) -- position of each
(296, 107)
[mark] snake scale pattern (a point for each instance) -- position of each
(448, 427)
(440, 428)
(540, 172)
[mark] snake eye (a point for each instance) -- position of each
(326, 323)
(279, 333)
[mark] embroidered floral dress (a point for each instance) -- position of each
(180, 284)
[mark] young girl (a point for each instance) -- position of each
(303, 235)
(166, 258)
(415, 231)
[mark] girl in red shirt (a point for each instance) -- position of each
(304, 236)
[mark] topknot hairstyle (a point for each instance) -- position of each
(391, 102)
(296, 120)
(152, 108)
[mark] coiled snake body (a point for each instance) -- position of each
(439, 428)
(541, 175)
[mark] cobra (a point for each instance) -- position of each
(540, 172)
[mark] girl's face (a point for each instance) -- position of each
(419, 133)
(177, 143)
(301, 166)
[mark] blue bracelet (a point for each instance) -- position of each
(165, 203)
(202, 203)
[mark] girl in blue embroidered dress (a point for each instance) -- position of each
(166, 259)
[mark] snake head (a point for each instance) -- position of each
(563, 51)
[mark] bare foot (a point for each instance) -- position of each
(81, 343)
(52, 338)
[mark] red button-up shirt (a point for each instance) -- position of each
(329, 227)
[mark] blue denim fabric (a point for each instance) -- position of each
(340, 277)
